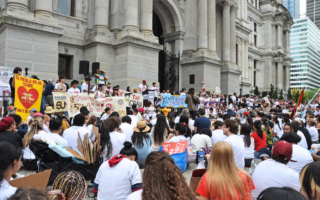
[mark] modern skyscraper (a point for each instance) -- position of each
(293, 7)
(305, 47)
(313, 11)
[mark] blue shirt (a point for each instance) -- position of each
(201, 123)
(49, 89)
(144, 151)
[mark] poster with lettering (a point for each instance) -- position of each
(28, 94)
(60, 101)
(131, 98)
(95, 106)
(168, 100)
(5, 74)
(175, 147)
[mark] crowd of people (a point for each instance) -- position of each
(235, 132)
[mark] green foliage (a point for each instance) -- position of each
(275, 94)
(305, 97)
(256, 91)
(281, 95)
(271, 93)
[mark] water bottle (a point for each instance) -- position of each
(201, 155)
(253, 165)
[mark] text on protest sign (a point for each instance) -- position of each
(131, 99)
(174, 147)
(60, 101)
(168, 100)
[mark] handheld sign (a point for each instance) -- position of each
(175, 147)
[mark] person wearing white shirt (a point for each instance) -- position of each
(143, 87)
(317, 112)
(71, 134)
(182, 133)
(234, 99)
(183, 92)
(230, 129)
(156, 89)
(59, 88)
(106, 114)
(31, 114)
(288, 127)
(313, 130)
(274, 172)
(119, 177)
(249, 145)
(127, 128)
(4, 98)
(202, 139)
(85, 86)
(217, 134)
(299, 154)
(74, 87)
(98, 94)
(94, 89)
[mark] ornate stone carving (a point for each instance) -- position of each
(84, 10)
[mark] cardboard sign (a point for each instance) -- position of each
(218, 91)
(28, 95)
(131, 98)
(168, 100)
(175, 147)
(59, 101)
(38, 181)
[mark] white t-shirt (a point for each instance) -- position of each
(183, 94)
(217, 136)
(250, 104)
(134, 120)
(156, 89)
(277, 130)
(28, 118)
(231, 106)
(179, 138)
(302, 156)
(316, 113)
(271, 173)
(201, 140)
(51, 138)
(233, 99)
(94, 88)
(84, 86)
(127, 130)
(115, 182)
(142, 87)
(303, 143)
(117, 139)
(248, 151)
(6, 190)
(104, 117)
(313, 133)
(237, 145)
(57, 86)
(6, 92)
(135, 195)
(71, 135)
(100, 94)
(73, 91)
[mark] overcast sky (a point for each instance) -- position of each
(303, 7)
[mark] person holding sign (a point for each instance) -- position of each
(61, 87)
(98, 94)
(12, 82)
(74, 87)
(143, 87)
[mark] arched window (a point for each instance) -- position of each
(66, 7)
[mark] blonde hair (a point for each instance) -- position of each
(223, 179)
(312, 122)
(36, 125)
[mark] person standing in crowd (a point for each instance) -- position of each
(10, 159)
(85, 86)
(245, 132)
(201, 122)
(230, 129)
(4, 100)
(61, 86)
(162, 179)
(224, 179)
(142, 141)
(74, 87)
(156, 90)
(48, 93)
(217, 134)
(12, 82)
(230, 107)
(284, 193)
(8, 131)
(143, 87)
(106, 114)
(117, 138)
(192, 100)
(127, 128)
(159, 132)
(301, 155)
(120, 176)
(128, 89)
(99, 94)
(275, 172)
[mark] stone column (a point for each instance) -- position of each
(212, 32)
(131, 14)
(146, 16)
(279, 76)
(44, 8)
(21, 4)
(101, 14)
(287, 78)
(233, 34)
(116, 20)
(274, 36)
(202, 24)
(288, 41)
(279, 41)
(226, 32)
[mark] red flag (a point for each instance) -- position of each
(298, 103)
(203, 87)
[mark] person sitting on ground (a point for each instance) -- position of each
(117, 138)
(55, 127)
(93, 121)
(120, 176)
(224, 179)
(201, 122)
(142, 141)
(268, 131)
(127, 128)
(309, 181)
(299, 154)
(217, 134)
(304, 131)
(288, 127)
(31, 114)
(8, 131)
(10, 159)
(245, 132)
(159, 132)
(74, 87)
(162, 179)
(202, 139)
(230, 129)
(72, 184)
(313, 131)
(275, 172)
(260, 142)
(182, 133)
(22, 129)
(284, 193)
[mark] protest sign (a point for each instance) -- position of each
(168, 100)
(59, 101)
(218, 90)
(28, 95)
(5, 74)
(95, 106)
(131, 98)
(175, 147)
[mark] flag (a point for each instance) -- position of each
(203, 87)
(298, 103)
(318, 97)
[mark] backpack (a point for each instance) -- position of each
(191, 152)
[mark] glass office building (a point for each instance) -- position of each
(293, 7)
(305, 47)
(313, 11)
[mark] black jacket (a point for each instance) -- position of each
(307, 136)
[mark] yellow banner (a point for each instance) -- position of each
(60, 101)
(28, 94)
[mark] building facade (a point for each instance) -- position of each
(293, 7)
(234, 45)
(305, 51)
(313, 11)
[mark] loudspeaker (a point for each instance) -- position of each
(84, 67)
(264, 94)
(95, 67)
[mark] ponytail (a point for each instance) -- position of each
(257, 125)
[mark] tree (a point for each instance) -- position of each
(294, 95)
(271, 93)
(289, 93)
(256, 91)
(275, 94)
(281, 95)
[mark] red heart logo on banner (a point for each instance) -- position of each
(102, 105)
(27, 98)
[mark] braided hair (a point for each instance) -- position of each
(72, 184)
(162, 179)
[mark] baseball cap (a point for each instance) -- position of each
(38, 115)
(144, 81)
(33, 110)
(246, 113)
(283, 148)
(141, 109)
(50, 80)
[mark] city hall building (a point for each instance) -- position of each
(234, 45)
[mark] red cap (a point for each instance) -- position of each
(38, 115)
(144, 81)
(141, 109)
(246, 113)
(283, 148)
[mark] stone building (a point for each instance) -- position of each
(234, 45)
